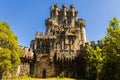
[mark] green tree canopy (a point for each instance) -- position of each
(104, 62)
(95, 58)
(9, 50)
(111, 68)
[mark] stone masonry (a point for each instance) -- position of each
(60, 48)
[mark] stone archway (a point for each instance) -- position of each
(43, 67)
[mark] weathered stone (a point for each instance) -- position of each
(59, 49)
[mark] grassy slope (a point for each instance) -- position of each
(42, 79)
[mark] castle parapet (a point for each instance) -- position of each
(27, 55)
(94, 44)
(81, 22)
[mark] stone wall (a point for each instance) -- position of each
(24, 69)
(26, 60)
(43, 67)
(73, 68)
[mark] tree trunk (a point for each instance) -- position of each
(1, 75)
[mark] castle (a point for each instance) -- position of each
(60, 48)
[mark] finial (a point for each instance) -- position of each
(36, 34)
(63, 6)
(71, 6)
(51, 8)
(56, 5)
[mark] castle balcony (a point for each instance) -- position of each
(39, 56)
(46, 37)
(66, 55)
(51, 21)
(82, 22)
(27, 55)
(70, 34)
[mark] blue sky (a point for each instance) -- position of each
(25, 17)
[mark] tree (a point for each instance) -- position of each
(95, 58)
(9, 50)
(111, 68)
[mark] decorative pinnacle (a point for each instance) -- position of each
(72, 6)
(56, 5)
(63, 6)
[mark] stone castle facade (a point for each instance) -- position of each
(60, 48)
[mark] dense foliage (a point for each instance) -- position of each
(95, 59)
(9, 50)
(104, 63)
(111, 68)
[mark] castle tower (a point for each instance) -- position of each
(64, 35)
(83, 32)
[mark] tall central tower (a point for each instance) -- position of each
(67, 28)
(64, 35)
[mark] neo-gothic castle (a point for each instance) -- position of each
(59, 49)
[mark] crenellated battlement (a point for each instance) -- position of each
(94, 44)
(55, 11)
(28, 55)
(81, 22)
(99, 43)
(39, 34)
(28, 52)
(58, 15)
